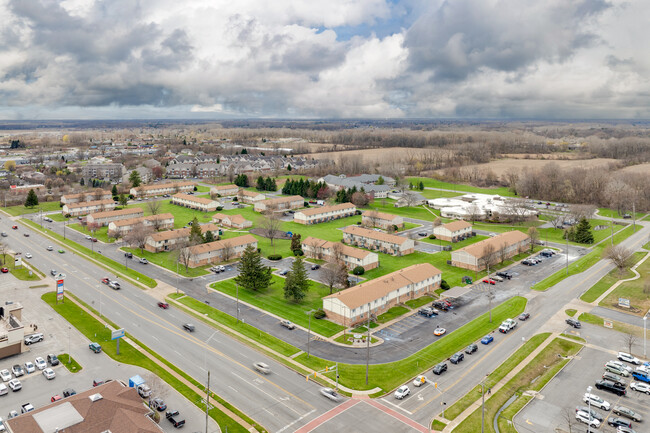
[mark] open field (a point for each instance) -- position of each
(373, 156)
(22, 210)
(610, 279)
(632, 290)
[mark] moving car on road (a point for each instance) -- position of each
(419, 381)
(524, 316)
(439, 331)
(95, 347)
(402, 392)
(262, 367)
(487, 339)
(457, 357)
(188, 327)
(330, 393)
(163, 305)
(287, 324)
(439, 368)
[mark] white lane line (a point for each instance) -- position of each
(266, 393)
(233, 388)
(296, 420)
(275, 415)
(394, 405)
(179, 354)
(155, 338)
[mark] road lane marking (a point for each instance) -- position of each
(278, 399)
(296, 420)
(396, 405)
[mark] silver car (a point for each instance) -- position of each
(330, 393)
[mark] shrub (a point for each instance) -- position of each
(358, 223)
(358, 270)
(219, 207)
(259, 250)
(235, 199)
(195, 188)
(358, 212)
(319, 314)
(275, 257)
(395, 228)
(298, 252)
(306, 204)
(444, 285)
(432, 236)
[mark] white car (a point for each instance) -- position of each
(626, 357)
(29, 367)
(50, 248)
(616, 369)
(641, 387)
(644, 369)
(28, 255)
(49, 374)
(402, 392)
(419, 381)
(88, 237)
(596, 401)
(587, 419)
(3, 389)
(5, 375)
(40, 363)
(15, 385)
(330, 393)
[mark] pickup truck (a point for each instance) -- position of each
(27, 407)
(507, 326)
(175, 418)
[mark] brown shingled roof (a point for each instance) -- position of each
(219, 245)
(278, 200)
(381, 215)
(90, 203)
(373, 234)
(194, 199)
(324, 209)
(131, 221)
(454, 226)
(112, 213)
(222, 187)
(165, 185)
(357, 253)
(509, 238)
(181, 233)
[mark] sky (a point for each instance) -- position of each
(212, 59)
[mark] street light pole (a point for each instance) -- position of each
(237, 292)
(367, 347)
(589, 404)
(482, 407)
(566, 234)
(69, 354)
(645, 318)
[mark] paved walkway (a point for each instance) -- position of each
(619, 282)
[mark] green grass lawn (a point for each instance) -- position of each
(95, 331)
(58, 217)
(109, 264)
(418, 212)
(47, 206)
(533, 377)
(608, 280)
(494, 377)
(571, 312)
(390, 375)
(611, 213)
(647, 246)
(463, 189)
(617, 326)
(347, 339)
(632, 290)
(167, 260)
(101, 233)
(273, 301)
(417, 303)
(392, 313)
(69, 363)
(438, 425)
(431, 194)
(454, 245)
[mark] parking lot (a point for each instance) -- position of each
(566, 390)
(59, 338)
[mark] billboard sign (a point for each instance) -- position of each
(118, 333)
(622, 302)
(18, 261)
(59, 290)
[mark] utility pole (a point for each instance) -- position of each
(309, 313)
(633, 217)
(566, 234)
(611, 225)
(207, 403)
(367, 347)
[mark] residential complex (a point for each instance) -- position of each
(163, 221)
(321, 249)
(162, 188)
(250, 197)
(280, 203)
(234, 221)
(98, 194)
(323, 214)
(219, 251)
(224, 190)
(107, 171)
(489, 251)
(454, 231)
(100, 219)
(351, 306)
(165, 241)
(378, 241)
(87, 207)
(198, 203)
(372, 218)
(367, 182)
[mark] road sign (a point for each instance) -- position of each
(118, 333)
(608, 324)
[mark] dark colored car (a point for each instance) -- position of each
(457, 357)
(188, 327)
(528, 263)
(52, 359)
(158, 404)
(97, 382)
(505, 274)
(471, 349)
(427, 312)
(594, 414)
(128, 255)
(174, 418)
(314, 267)
(615, 422)
(95, 347)
(442, 305)
(608, 385)
(524, 316)
(440, 368)
(573, 322)
(68, 392)
(163, 305)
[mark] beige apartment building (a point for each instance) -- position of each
(382, 220)
(198, 203)
(163, 221)
(378, 241)
(162, 188)
(166, 241)
(321, 249)
(280, 203)
(100, 219)
(234, 221)
(250, 197)
(477, 256)
(323, 214)
(454, 231)
(219, 251)
(230, 190)
(88, 207)
(99, 194)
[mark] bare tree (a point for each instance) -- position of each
(184, 253)
(533, 233)
(629, 340)
(334, 274)
(473, 212)
(437, 222)
(410, 198)
(620, 256)
(557, 221)
(487, 258)
(227, 251)
(98, 194)
(580, 211)
(138, 235)
(154, 207)
(316, 250)
(3, 250)
(503, 253)
(372, 217)
(569, 418)
(270, 224)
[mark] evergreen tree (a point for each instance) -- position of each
(244, 151)
(421, 186)
(253, 275)
(114, 192)
(208, 237)
(295, 242)
(289, 167)
(82, 182)
(123, 200)
(134, 178)
(261, 186)
(31, 200)
(296, 284)
(196, 236)
(583, 232)
(380, 181)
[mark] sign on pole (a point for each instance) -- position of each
(59, 291)
(118, 333)
(18, 260)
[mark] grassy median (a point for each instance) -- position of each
(610, 279)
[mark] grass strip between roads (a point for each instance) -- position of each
(610, 279)
(438, 425)
(533, 377)
(108, 264)
(584, 262)
(493, 378)
(95, 331)
(69, 363)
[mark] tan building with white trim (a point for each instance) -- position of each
(224, 190)
(324, 214)
(250, 197)
(476, 256)
(86, 196)
(378, 241)
(165, 241)
(198, 203)
(219, 251)
(88, 207)
(162, 188)
(352, 306)
(382, 220)
(235, 221)
(100, 219)
(454, 231)
(163, 221)
(321, 249)
(280, 203)
(12, 330)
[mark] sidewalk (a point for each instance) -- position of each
(477, 404)
(619, 282)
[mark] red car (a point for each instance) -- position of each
(105, 280)
(163, 305)
(489, 281)
(14, 227)
(4, 270)
(55, 398)
(94, 239)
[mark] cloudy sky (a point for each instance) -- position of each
(547, 59)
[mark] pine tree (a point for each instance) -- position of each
(134, 178)
(253, 275)
(123, 200)
(583, 232)
(261, 186)
(296, 284)
(208, 237)
(114, 192)
(289, 167)
(380, 181)
(31, 200)
(295, 242)
(82, 182)
(196, 236)
(244, 151)
(421, 186)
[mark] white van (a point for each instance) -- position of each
(3, 389)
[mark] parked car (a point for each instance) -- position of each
(314, 267)
(489, 281)
(128, 255)
(174, 418)
(15, 385)
(621, 365)
(573, 322)
(614, 378)
(621, 429)
(593, 413)
(616, 422)
(56, 397)
(287, 324)
(609, 386)
(33, 338)
(641, 387)
(524, 316)
(497, 278)
(27, 407)
(613, 368)
(439, 368)
(595, 401)
(427, 312)
(68, 392)
(584, 417)
(143, 390)
(3, 389)
(504, 274)
(97, 382)
(330, 393)
(5, 375)
(188, 327)
(284, 272)
(627, 413)
(163, 305)
(158, 404)
(439, 331)
(95, 347)
(528, 262)
(49, 374)
(18, 370)
(402, 392)
(30, 367)
(40, 363)
(471, 349)
(626, 357)
(487, 339)
(457, 357)
(4, 270)
(419, 381)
